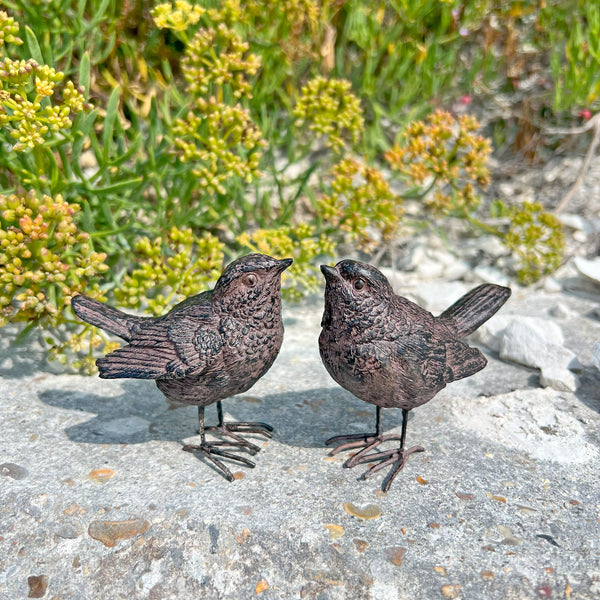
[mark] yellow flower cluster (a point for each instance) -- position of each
(223, 140)
(44, 258)
(446, 157)
(537, 240)
(170, 269)
(24, 86)
(218, 57)
(178, 15)
(302, 243)
(9, 30)
(331, 110)
(361, 203)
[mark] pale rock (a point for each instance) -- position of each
(576, 222)
(588, 268)
(552, 286)
(490, 333)
(489, 274)
(433, 263)
(596, 355)
(535, 342)
(558, 379)
(560, 311)
(437, 296)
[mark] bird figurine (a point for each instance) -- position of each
(392, 353)
(205, 349)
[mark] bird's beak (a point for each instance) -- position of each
(330, 273)
(283, 264)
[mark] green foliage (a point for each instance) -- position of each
(150, 145)
(574, 29)
(444, 160)
(360, 204)
(170, 269)
(44, 259)
(302, 243)
(536, 239)
(331, 110)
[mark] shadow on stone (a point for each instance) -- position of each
(302, 419)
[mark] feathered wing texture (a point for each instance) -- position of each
(106, 317)
(462, 360)
(474, 308)
(167, 348)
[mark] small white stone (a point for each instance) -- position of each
(490, 333)
(588, 268)
(576, 222)
(596, 355)
(535, 343)
(560, 311)
(559, 379)
(437, 296)
(551, 285)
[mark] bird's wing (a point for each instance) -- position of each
(462, 360)
(167, 347)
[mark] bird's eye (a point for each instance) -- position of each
(359, 284)
(251, 279)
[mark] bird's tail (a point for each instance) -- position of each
(106, 317)
(475, 308)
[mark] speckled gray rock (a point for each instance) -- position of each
(502, 505)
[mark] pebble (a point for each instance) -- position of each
(37, 586)
(588, 268)
(395, 555)
(576, 222)
(560, 311)
(110, 532)
(13, 471)
(558, 379)
(596, 355)
(535, 342)
(371, 511)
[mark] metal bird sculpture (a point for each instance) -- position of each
(208, 347)
(392, 353)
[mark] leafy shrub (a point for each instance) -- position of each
(139, 149)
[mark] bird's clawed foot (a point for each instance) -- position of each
(397, 458)
(366, 441)
(211, 450)
(214, 449)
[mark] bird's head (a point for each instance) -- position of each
(354, 290)
(250, 281)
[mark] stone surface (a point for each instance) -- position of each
(503, 503)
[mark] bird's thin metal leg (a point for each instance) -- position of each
(227, 429)
(211, 450)
(244, 426)
(366, 441)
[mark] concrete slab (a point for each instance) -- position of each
(98, 500)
